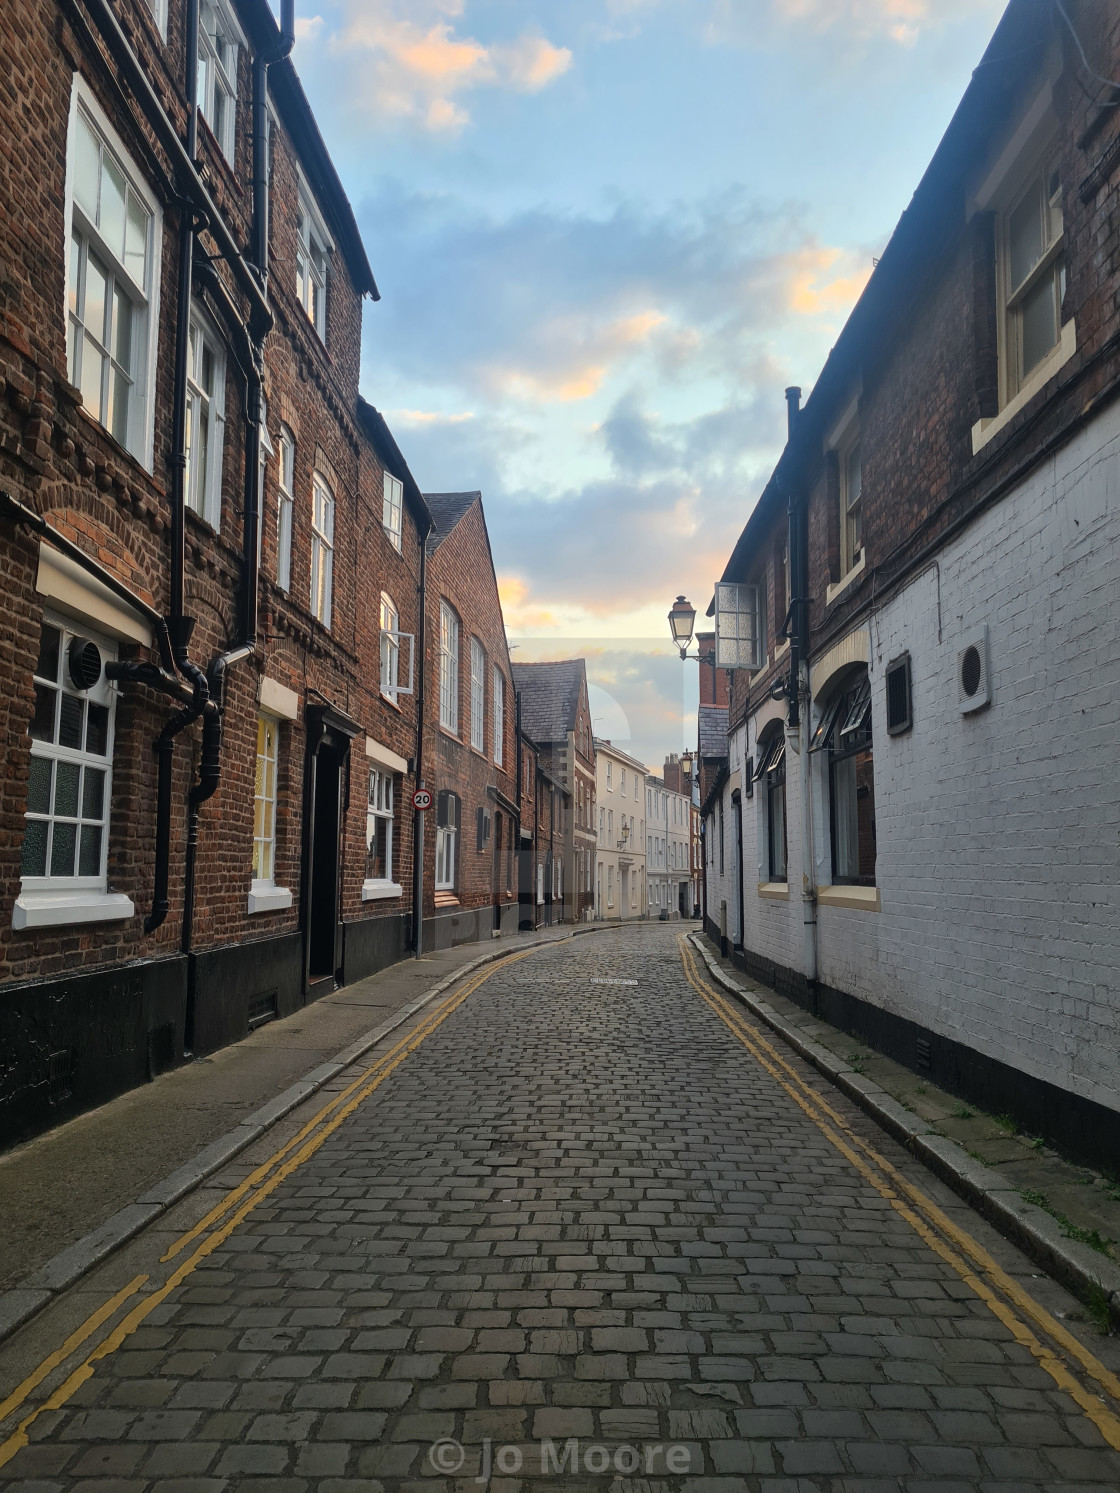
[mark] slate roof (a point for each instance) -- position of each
(549, 696)
(712, 723)
(447, 508)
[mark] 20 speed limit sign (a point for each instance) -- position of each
(421, 800)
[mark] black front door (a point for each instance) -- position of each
(329, 733)
(323, 870)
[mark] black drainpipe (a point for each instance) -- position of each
(250, 342)
(418, 818)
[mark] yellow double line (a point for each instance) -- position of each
(219, 1223)
(971, 1262)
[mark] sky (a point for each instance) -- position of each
(607, 234)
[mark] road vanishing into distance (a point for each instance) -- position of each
(583, 1225)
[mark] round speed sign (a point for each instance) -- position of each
(421, 800)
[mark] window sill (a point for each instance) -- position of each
(832, 592)
(861, 898)
(1065, 347)
(264, 897)
(378, 891)
(780, 653)
(56, 909)
(390, 700)
(774, 891)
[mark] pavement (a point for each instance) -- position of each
(581, 1221)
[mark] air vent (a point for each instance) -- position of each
(924, 1063)
(900, 715)
(84, 660)
(974, 689)
(60, 1076)
(262, 1008)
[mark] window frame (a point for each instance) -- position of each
(851, 509)
(449, 629)
(392, 510)
(498, 711)
(311, 234)
(854, 700)
(1050, 267)
(448, 827)
(144, 339)
(214, 73)
(478, 696)
(322, 550)
(203, 333)
(285, 506)
(54, 751)
(264, 721)
(381, 811)
(390, 648)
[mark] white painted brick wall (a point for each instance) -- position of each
(999, 832)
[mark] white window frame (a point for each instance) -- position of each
(448, 668)
(203, 485)
(390, 648)
(264, 893)
(158, 9)
(140, 432)
(380, 814)
(447, 845)
(499, 700)
(851, 506)
(392, 509)
(322, 548)
(478, 695)
(1049, 269)
(285, 507)
(53, 900)
(218, 77)
(740, 640)
(314, 247)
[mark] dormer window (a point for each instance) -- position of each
(218, 47)
(311, 263)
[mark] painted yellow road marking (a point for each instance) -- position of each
(837, 1130)
(72, 1343)
(332, 1115)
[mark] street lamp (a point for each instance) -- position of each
(682, 620)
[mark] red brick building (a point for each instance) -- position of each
(545, 813)
(556, 716)
(470, 756)
(209, 557)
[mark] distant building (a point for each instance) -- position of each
(620, 854)
(668, 832)
(556, 716)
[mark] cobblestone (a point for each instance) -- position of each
(583, 1216)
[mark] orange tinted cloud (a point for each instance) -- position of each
(826, 282)
(414, 64)
(574, 358)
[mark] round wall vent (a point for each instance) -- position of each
(84, 659)
(971, 669)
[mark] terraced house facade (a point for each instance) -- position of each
(914, 830)
(209, 555)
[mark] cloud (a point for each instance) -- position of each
(406, 60)
(428, 417)
(545, 306)
(852, 23)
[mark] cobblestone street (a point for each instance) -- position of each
(588, 1229)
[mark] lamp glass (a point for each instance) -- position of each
(682, 620)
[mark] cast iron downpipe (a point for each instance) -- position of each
(179, 626)
(801, 700)
(418, 819)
